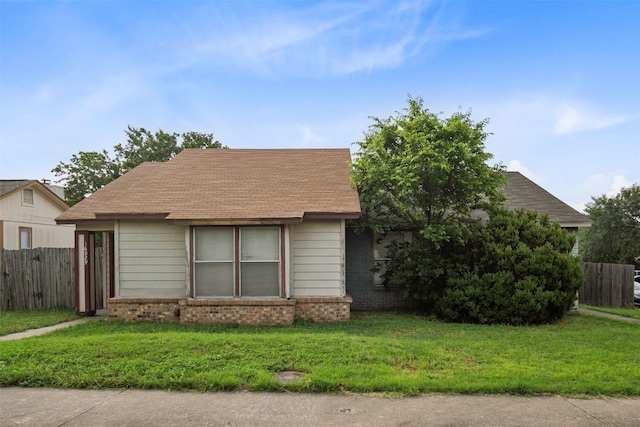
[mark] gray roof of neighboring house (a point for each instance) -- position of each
(524, 193)
(9, 185)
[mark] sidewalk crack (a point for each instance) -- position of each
(92, 408)
(584, 411)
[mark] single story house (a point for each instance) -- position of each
(221, 235)
(28, 209)
(364, 250)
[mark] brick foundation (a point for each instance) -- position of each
(155, 309)
(275, 311)
(238, 310)
(323, 309)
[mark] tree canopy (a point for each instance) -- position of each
(418, 171)
(614, 235)
(88, 171)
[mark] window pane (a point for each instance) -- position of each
(260, 243)
(214, 279)
(380, 250)
(260, 279)
(214, 244)
(25, 238)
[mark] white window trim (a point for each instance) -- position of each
(30, 230)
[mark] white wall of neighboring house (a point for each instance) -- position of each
(39, 217)
(317, 258)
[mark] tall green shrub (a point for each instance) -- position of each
(522, 273)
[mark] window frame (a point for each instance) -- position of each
(26, 202)
(28, 229)
(196, 261)
(238, 261)
(405, 236)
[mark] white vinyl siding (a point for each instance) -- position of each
(317, 255)
(152, 260)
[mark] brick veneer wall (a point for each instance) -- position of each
(359, 277)
(274, 311)
(323, 309)
(156, 309)
(241, 311)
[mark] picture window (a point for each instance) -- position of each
(237, 261)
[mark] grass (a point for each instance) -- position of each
(625, 312)
(18, 321)
(373, 353)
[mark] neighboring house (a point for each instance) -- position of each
(523, 193)
(364, 250)
(221, 235)
(28, 209)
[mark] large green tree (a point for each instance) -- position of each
(614, 235)
(420, 172)
(88, 171)
(469, 258)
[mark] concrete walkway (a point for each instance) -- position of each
(608, 315)
(53, 407)
(41, 331)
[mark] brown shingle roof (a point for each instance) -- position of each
(524, 193)
(230, 185)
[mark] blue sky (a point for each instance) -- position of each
(559, 81)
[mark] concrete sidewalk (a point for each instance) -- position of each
(53, 407)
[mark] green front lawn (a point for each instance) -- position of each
(18, 321)
(373, 353)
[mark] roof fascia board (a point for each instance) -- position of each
(574, 224)
(327, 215)
(235, 221)
(83, 221)
(129, 216)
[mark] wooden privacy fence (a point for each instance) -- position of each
(607, 285)
(37, 278)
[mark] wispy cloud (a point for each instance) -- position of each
(333, 38)
(572, 119)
